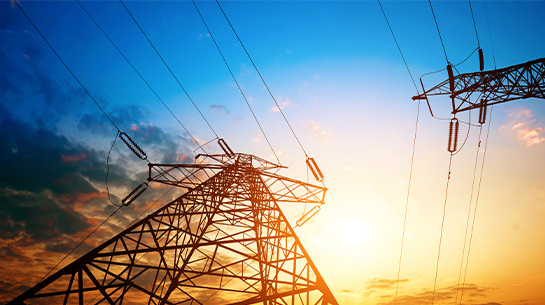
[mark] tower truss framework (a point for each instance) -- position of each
(526, 80)
(225, 241)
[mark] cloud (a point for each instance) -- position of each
(284, 104)
(526, 129)
(220, 109)
(380, 284)
(53, 194)
(315, 130)
(26, 80)
(471, 294)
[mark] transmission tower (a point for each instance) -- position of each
(225, 241)
(520, 81)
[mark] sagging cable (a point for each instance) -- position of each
(228, 151)
(315, 169)
(133, 146)
(454, 125)
(308, 215)
(135, 194)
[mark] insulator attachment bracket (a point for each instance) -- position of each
(315, 169)
(133, 146)
(134, 194)
(454, 126)
(308, 215)
(226, 149)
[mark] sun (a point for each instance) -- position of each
(352, 231)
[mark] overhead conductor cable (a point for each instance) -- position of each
(412, 157)
(309, 163)
(236, 82)
(137, 72)
(177, 80)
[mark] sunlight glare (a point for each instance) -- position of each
(352, 232)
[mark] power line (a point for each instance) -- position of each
(407, 201)
(135, 70)
(442, 226)
(468, 214)
(81, 242)
(490, 33)
(438, 31)
(66, 66)
(263, 80)
(170, 70)
(108, 170)
(474, 25)
(397, 44)
(412, 157)
(236, 82)
(476, 203)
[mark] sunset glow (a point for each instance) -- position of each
(472, 233)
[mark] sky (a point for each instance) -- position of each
(337, 74)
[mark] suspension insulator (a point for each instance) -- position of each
(450, 77)
(226, 149)
(454, 125)
(315, 169)
(134, 194)
(308, 215)
(481, 59)
(133, 146)
(482, 113)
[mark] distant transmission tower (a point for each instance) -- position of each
(526, 80)
(225, 241)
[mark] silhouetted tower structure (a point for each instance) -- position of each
(225, 241)
(520, 81)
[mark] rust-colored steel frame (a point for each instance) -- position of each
(225, 241)
(521, 81)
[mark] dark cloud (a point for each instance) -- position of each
(7, 287)
(27, 89)
(33, 160)
(124, 117)
(10, 17)
(36, 216)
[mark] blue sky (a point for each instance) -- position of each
(336, 70)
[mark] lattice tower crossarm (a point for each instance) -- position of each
(225, 241)
(520, 81)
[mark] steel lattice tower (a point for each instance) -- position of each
(526, 80)
(225, 241)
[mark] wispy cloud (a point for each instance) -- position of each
(526, 128)
(284, 104)
(378, 284)
(220, 109)
(315, 130)
(472, 294)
